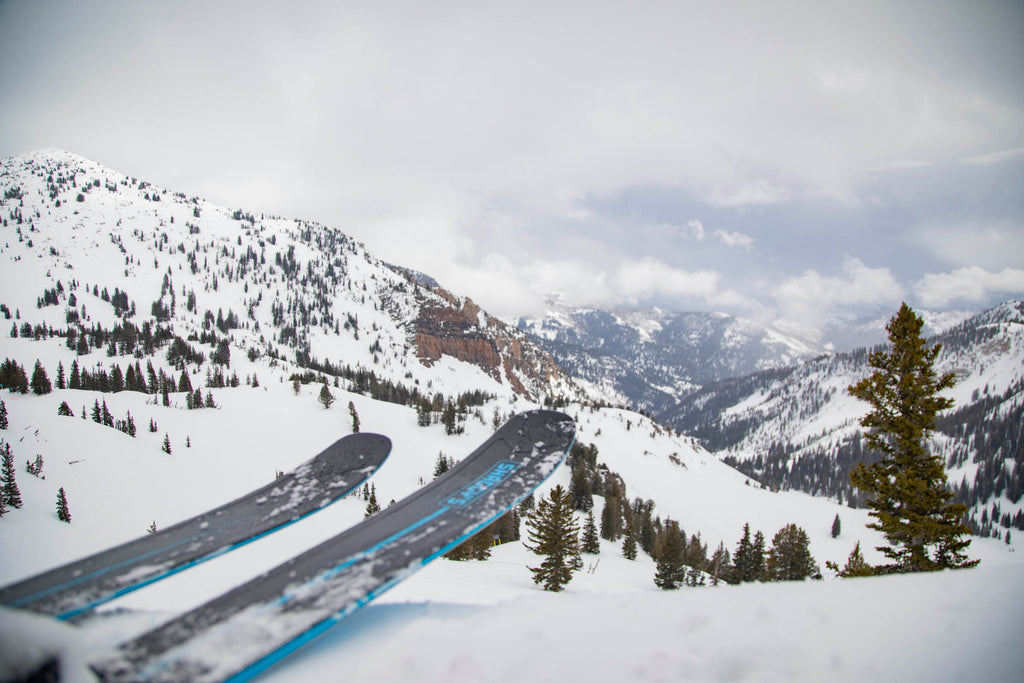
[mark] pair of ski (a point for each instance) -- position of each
(241, 633)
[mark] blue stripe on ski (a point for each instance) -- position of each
(321, 627)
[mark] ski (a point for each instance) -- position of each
(72, 589)
(240, 634)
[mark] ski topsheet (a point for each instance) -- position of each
(243, 632)
(79, 586)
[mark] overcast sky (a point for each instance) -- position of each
(797, 162)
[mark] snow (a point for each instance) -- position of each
(452, 621)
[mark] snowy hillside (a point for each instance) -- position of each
(651, 358)
(83, 245)
(211, 333)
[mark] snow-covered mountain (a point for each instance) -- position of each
(212, 330)
(291, 290)
(798, 428)
(650, 358)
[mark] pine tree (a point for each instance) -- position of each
(40, 382)
(855, 565)
(63, 514)
(590, 544)
(837, 527)
(789, 558)
(554, 535)
(670, 572)
(371, 506)
(10, 493)
(743, 568)
(3, 415)
(61, 379)
(355, 417)
(629, 549)
(906, 490)
(65, 409)
(166, 448)
(326, 398)
(152, 528)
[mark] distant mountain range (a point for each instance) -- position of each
(651, 358)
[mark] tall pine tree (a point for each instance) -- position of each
(63, 514)
(10, 492)
(906, 489)
(554, 535)
(670, 572)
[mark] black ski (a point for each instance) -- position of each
(243, 632)
(74, 588)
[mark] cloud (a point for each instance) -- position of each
(758, 192)
(970, 284)
(695, 228)
(808, 301)
(509, 289)
(735, 239)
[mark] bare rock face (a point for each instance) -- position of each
(448, 326)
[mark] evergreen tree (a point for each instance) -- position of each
(65, 409)
(629, 549)
(326, 397)
(554, 535)
(855, 565)
(837, 527)
(355, 417)
(670, 571)
(166, 448)
(371, 506)
(721, 565)
(590, 544)
(789, 558)
(906, 490)
(611, 520)
(443, 464)
(757, 560)
(61, 379)
(10, 493)
(579, 488)
(743, 568)
(40, 382)
(3, 415)
(63, 514)
(152, 528)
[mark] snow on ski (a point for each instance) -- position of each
(245, 631)
(74, 588)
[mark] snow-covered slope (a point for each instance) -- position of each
(299, 305)
(291, 290)
(650, 358)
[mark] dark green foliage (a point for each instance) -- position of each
(670, 572)
(629, 548)
(837, 527)
(721, 565)
(476, 547)
(326, 398)
(906, 490)
(40, 381)
(166, 448)
(590, 543)
(355, 417)
(443, 464)
(65, 409)
(10, 493)
(35, 468)
(748, 560)
(554, 534)
(3, 415)
(789, 558)
(855, 565)
(372, 506)
(13, 377)
(63, 514)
